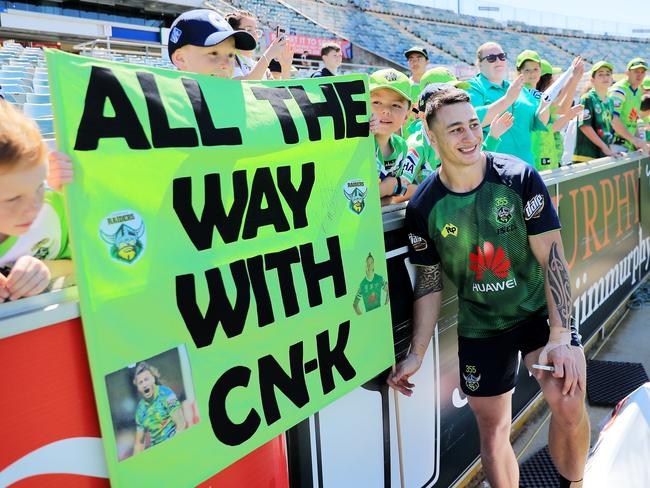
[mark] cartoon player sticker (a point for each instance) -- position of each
(125, 236)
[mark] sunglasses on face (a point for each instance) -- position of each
(492, 58)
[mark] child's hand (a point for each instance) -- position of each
(374, 123)
(575, 111)
(27, 278)
(501, 125)
(59, 170)
(4, 293)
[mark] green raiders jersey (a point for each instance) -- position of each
(481, 240)
(155, 416)
(627, 105)
(597, 114)
(47, 237)
(370, 292)
(392, 165)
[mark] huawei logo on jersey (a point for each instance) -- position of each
(487, 258)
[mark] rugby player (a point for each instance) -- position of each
(487, 220)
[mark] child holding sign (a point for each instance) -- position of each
(390, 102)
(200, 41)
(33, 229)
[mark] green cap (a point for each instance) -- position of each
(528, 55)
(442, 75)
(637, 63)
(393, 80)
(601, 64)
(646, 84)
(548, 69)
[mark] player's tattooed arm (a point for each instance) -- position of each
(559, 286)
(428, 279)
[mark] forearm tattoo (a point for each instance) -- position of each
(558, 283)
(428, 279)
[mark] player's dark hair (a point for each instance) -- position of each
(235, 18)
(370, 256)
(441, 99)
(645, 102)
(328, 47)
(143, 366)
(544, 82)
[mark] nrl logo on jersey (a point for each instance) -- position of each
(534, 207)
(449, 230)
(355, 191)
(125, 235)
(503, 210)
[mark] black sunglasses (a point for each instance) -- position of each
(491, 58)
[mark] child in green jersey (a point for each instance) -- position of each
(626, 96)
(595, 132)
(33, 230)
(390, 102)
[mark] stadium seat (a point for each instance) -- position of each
(38, 110)
(18, 98)
(46, 126)
(42, 89)
(14, 87)
(38, 97)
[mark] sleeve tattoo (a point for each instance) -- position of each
(428, 279)
(558, 282)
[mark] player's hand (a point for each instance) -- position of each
(515, 89)
(399, 376)
(569, 363)
(374, 123)
(501, 124)
(4, 293)
(27, 278)
(59, 170)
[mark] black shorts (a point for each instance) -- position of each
(488, 366)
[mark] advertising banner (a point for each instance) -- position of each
(604, 245)
(313, 45)
(229, 253)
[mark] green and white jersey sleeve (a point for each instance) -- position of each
(421, 159)
(46, 239)
(627, 103)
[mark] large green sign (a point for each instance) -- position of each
(224, 237)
